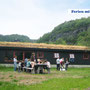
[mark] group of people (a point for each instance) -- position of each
(20, 64)
(30, 63)
(45, 62)
(24, 63)
(62, 64)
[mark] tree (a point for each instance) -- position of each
(60, 41)
(84, 38)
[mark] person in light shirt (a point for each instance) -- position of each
(58, 63)
(19, 66)
(15, 62)
(48, 66)
(62, 64)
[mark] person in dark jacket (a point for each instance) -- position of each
(66, 64)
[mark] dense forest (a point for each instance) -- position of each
(74, 32)
(15, 38)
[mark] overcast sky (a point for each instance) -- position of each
(37, 17)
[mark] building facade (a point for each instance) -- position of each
(76, 54)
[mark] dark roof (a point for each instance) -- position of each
(43, 45)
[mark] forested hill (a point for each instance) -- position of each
(74, 32)
(15, 38)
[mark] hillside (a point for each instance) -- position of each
(74, 32)
(15, 38)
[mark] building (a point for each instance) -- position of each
(76, 54)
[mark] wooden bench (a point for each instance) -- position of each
(32, 70)
(27, 69)
(24, 68)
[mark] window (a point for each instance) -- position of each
(56, 55)
(19, 55)
(8, 56)
(71, 56)
(40, 55)
(28, 54)
(85, 56)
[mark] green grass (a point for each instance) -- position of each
(53, 84)
(5, 69)
(63, 84)
(73, 79)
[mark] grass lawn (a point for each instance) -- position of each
(73, 79)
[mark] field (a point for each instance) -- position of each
(73, 79)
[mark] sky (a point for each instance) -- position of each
(34, 18)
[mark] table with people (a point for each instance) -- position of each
(42, 65)
(33, 66)
(39, 66)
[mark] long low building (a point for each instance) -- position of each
(75, 54)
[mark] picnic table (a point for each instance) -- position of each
(39, 68)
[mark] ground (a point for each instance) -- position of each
(72, 79)
(28, 78)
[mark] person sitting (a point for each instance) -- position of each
(29, 66)
(39, 61)
(22, 65)
(26, 60)
(32, 64)
(19, 66)
(48, 66)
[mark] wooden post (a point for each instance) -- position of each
(13, 53)
(23, 55)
